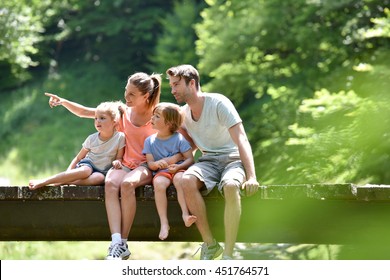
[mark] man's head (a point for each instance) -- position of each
(186, 72)
(184, 82)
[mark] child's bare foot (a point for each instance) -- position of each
(164, 231)
(189, 220)
(35, 184)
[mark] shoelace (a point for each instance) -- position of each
(201, 246)
(116, 250)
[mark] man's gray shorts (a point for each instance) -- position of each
(218, 169)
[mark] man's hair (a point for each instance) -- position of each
(185, 71)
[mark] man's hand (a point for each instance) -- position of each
(251, 187)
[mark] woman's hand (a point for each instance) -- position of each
(117, 164)
(54, 100)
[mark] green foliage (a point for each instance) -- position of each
(21, 31)
(176, 44)
(121, 33)
(338, 136)
(274, 58)
(248, 46)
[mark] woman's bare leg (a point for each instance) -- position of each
(138, 177)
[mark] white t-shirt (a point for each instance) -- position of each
(211, 132)
(103, 153)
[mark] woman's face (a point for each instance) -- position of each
(133, 96)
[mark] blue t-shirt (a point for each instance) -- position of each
(166, 148)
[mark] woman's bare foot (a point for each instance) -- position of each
(189, 220)
(164, 231)
(35, 184)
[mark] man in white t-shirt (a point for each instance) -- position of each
(214, 125)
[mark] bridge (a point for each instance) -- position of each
(302, 214)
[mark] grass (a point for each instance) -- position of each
(94, 250)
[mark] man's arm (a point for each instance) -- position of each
(238, 134)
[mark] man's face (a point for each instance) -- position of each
(179, 89)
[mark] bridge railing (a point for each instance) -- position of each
(301, 213)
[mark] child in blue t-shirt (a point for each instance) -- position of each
(167, 119)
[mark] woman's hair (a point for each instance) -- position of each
(171, 113)
(111, 108)
(148, 84)
(185, 71)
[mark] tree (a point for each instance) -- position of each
(120, 33)
(176, 44)
(272, 57)
(21, 30)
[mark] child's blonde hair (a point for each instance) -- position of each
(111, 108)
(171, 113)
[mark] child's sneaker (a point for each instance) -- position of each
(118, 252)
(210, 252)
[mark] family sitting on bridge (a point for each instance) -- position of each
(211, 124)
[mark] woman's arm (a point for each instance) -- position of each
(73, 107)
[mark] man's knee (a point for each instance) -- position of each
(231, 191)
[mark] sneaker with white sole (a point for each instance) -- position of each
(210, 252)
(118, 251)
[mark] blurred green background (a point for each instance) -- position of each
(310, 78)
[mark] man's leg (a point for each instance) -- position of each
(197, 207)
(231, 217)
(232, 179)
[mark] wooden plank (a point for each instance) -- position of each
(319, 213)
